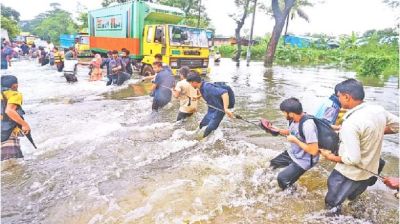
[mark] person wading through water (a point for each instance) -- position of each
(11, 117)
(217, 99)
(361, 137)
(162, 86)
(303, 152)
(188, 96)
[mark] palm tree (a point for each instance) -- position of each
(297, 10)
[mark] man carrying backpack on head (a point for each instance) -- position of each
(218, 101)
(303, 153)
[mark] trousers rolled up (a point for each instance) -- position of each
(212, 120)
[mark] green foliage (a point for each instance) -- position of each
(9, 13)
(49, 25)
(83, 19)
(373, 65)
(370, 59)
(191, 9)
(227, 50)
(11, 26)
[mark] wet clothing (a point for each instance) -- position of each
(290, 174)
(43, 60)
(69, 55)
(111, 79)
(10, 145)
(182, 115)
(59, 61)
(51, 58)
(341, 188)
(11, 148)
(298, 155)
(213, 96)
(361, 139)
(329, 109)
(295, 160)
(117, 77)
(188, 97)
(165, 81)
(127, 65)
(7, 125)
(25, 49)
(6, 52)
(361, 144)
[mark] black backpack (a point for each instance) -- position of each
(327, 137)
(231, 94)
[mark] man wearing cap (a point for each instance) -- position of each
(11, 118)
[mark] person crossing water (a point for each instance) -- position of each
(361, 137)
(11, 118)
(303, 153)
(218, 101)
(188, 96)
(162, 86)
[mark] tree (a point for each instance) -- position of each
(9, 13)
(240, 18)
(191, 9)
(11, 26)
(82, 16)
(280, 16)
(297, 10)
(49, 25)
(392, 3)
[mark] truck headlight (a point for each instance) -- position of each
(174, 64)
(205, 63)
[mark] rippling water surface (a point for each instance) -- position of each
(102, 156)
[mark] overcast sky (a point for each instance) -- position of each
(332, 17)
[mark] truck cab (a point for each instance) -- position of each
(179, 46)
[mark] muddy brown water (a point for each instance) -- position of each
(103, 157)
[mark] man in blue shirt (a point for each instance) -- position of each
(217, 100)
(303, 153)
(162, 86)
(106, 62)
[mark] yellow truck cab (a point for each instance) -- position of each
(179, 45)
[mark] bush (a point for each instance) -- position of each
(373, 65)
(227, 51)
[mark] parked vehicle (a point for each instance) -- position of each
(147, 29)
(79, 41)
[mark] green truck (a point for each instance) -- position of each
(147, 29)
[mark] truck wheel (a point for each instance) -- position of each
(147, 70)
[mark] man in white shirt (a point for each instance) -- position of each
(361, 137)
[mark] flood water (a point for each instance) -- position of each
(102, 156)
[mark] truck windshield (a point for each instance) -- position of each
(180, 35)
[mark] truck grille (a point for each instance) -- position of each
(191, 63)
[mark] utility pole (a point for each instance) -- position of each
(248, 54)
(198, 18)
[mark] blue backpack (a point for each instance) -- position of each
(231, 94)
